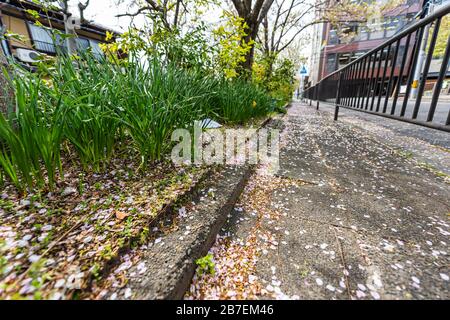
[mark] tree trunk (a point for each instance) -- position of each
(248, 63)
(252, 14)
(252, 31)
(177, 12)
(271, 60)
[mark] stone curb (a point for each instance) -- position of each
(172, 267)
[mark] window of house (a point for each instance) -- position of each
(349, 31)
(392, 25)
(333, 37)
(96, 48)
(363, 33)
(331, 62)
(343, 59)
(43, 39)
(82, 44)
(410, 17)
(357, 55)
(347, 57)
(346, 33)
(376, 29)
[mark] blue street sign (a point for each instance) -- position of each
(303, 71)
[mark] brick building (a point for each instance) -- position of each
(332, 49)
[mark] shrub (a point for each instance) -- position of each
(276, 76)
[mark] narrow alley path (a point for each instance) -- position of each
(348, 216)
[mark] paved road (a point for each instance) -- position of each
(440, 116)
(427, 145)
(347, 217)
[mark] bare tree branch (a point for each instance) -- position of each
(169, 13)
(81, 8)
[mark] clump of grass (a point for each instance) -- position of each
(238, 101)
(90, 94)
(159, 100)
(99, 105)
(31, 136)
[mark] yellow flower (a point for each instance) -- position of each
(109, 36)
(254, 104)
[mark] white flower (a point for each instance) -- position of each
(127, 293)
(141, 267)
(60, 283)
(182, 212)
(33, 258)
(361, 287)
(47, 227)
(375, 295)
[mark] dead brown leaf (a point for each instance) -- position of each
(122, 215)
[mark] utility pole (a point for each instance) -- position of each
(301, 87)
(72, 23)
(429, 8)
(69, 41)
(68, 29)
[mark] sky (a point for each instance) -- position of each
(104, 12)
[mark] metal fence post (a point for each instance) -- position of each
(317, 95)
(338, 97)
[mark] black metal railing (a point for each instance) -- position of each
(382, 81)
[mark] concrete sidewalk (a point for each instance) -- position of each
(349, 217)
(385, 218)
